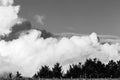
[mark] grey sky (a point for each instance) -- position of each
(78, 16)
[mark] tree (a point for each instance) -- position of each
(35, 76)
(18, 75)
(44, 72)
(88, 68)
(100, 69)
(93, 68)
(111, 69)
(118, 69)
(57, 71)
(75, 71)
(10, 75)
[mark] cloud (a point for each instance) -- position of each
(8, 16)
(111, 39)
(6, 2)
(40, 19)
(30, 51)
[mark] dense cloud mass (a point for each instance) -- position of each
(25, 49)
(8, 16)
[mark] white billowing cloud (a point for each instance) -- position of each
(8, 16)
(6, 2)
(29, 52)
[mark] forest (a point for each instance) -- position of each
(90, 69)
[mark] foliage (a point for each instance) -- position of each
(44, 72)
(92, 68)
(57, 71)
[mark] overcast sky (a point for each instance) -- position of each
(78, 16)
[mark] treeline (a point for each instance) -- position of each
(10, 76)
(92, 68)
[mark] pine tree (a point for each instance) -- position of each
(44, 72)
(57, 71)
(75, 71)
(18, 75)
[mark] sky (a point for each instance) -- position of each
(57, 16)
(77, 16)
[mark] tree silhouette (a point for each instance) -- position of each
(92, 68)
(18, 75)
(10, 75)
(35, 76)
(75, 71)
(118, 69)
(100, 69)
(111, 69)
(57, 71)
(44, 72)
(89, 68)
